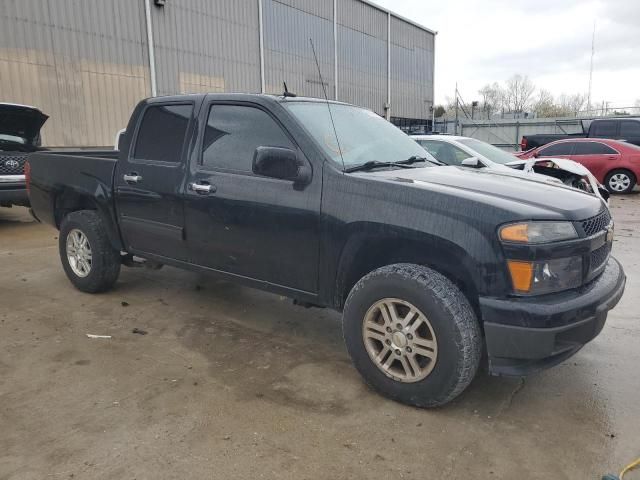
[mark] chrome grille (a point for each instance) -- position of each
(7, 166)
(596, 224)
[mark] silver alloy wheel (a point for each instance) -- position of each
(619, 182)
(400, 340)
(79, 253)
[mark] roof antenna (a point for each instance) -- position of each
(287, 93)
(324, 90)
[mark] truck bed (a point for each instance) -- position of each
(60, 176)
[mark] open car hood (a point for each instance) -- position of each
(21, 121)
(566, 165)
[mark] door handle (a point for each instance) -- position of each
(132, 178)
(202, 188)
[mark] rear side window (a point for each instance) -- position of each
(604, 129)
(629, 128)
(234, 132)
(162, 133)
(593, 148)
(565, 148)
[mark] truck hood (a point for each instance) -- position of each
(21, 121)
(532, 190)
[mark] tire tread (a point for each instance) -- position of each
(452, 299)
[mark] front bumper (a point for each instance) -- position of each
(13, 190)
(525, 335)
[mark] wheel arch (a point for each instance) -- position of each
(70, 200)
(365, 252)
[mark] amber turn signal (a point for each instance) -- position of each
(521, 275)
(518, 232)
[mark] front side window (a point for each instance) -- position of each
(604, 129)
(362, 135)
(233, 133)
(593, 148)
(444, 152)
(162, 133)
(560, 149)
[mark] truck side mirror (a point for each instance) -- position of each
(281, 163)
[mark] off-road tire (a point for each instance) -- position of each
(105, 264)
(454, 323)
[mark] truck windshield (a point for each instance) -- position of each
(363, 135)
(489, 151)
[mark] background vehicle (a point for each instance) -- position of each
(19, 134)
(453, 150)
(627, 129)
(614, 163)
(428, 263)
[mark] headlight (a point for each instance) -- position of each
(546, 276)
(538, 232)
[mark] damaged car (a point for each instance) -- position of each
(471, 152)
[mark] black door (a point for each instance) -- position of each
(149, 183)
(244, 224)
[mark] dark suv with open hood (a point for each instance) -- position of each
(19, 135)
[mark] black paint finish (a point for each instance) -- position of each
(311, 241)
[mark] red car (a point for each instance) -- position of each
(614, 163)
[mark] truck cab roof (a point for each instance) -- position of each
(246, 97)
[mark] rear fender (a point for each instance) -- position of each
(71, 200)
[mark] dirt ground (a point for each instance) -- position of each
(232, 383)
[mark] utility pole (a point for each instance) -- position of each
(455, 130)
(593, 49)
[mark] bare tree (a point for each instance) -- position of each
(544, 104)
(519, 90)
(569, 105)
(492, 98)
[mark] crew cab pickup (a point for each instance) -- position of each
(627, 129)
(331, 205)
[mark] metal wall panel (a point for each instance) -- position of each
(362, 55)
(85, 62)
(207, 46)
(288, 53)
(319, 8)
(82, 63)
(412, 60)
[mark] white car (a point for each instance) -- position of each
(471, 152)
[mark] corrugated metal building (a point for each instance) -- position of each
(86, 63)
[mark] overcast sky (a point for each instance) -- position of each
(482, 41)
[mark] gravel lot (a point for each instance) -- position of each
(233, 383)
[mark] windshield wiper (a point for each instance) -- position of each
(416, 158)
(377, 164)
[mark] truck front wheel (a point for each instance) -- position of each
(412, 334)
(88, 259)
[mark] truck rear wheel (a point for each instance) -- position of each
(412, 335)
(88, 259)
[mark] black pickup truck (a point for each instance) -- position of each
(627, 129)
(333, 206)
